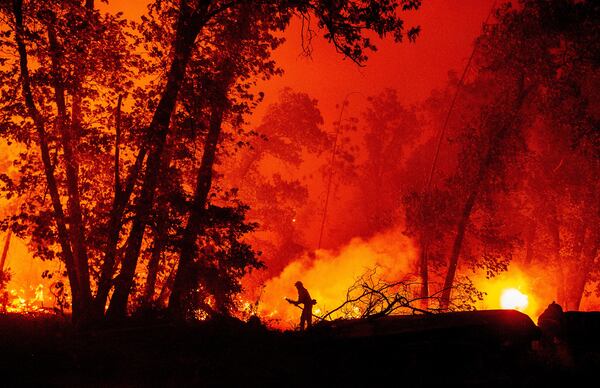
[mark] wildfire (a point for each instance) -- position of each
(514, 299)
(328, 273)
(515, 289)
(18, 302)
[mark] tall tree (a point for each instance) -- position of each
(50, 27)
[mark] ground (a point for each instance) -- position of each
(46, 351)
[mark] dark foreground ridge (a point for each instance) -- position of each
(481, 348)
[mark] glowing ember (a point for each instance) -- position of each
(513, 299)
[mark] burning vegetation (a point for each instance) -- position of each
(135, 168)
(161, 205)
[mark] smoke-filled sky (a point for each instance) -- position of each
(445, 43)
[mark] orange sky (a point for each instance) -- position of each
(448, 30)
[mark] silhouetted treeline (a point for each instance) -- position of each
(117, 127)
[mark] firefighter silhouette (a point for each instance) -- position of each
(307, 302)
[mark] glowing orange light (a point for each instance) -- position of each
(513, 299)
(20, 303)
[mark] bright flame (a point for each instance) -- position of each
(327, 275)
(18, 302)
(525, 291)
(514, 299)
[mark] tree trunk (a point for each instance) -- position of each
(38, 120)
(5, 249)
(120, 200)
(188, 28)
(484, 167)
(456, 247)
(183, 278)
(115, 224)
(424, 272)
(67, 133)
(160, 239)
(425, 240)
(161, 236)
(163, 296)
